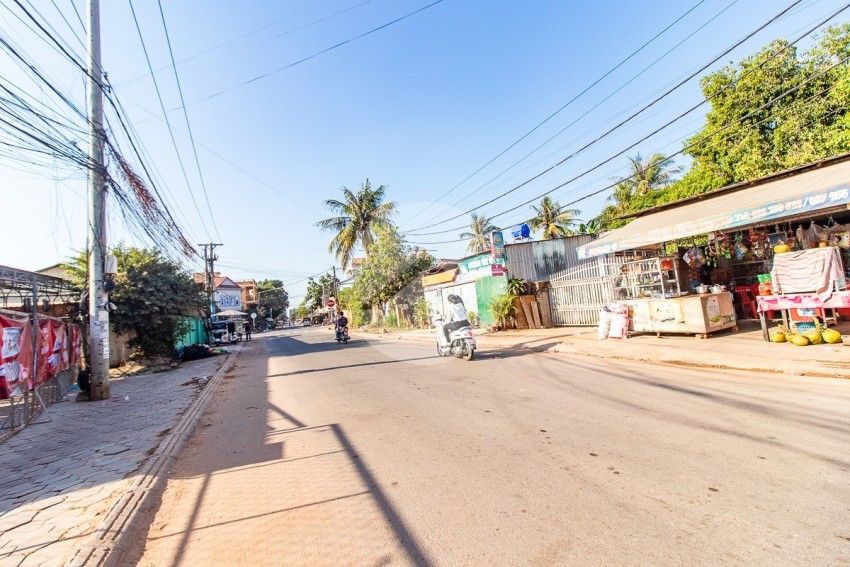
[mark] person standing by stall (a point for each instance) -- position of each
(247, 328)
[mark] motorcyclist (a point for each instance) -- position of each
(457, 317)
(341, 323)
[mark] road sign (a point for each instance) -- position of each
(331, 302)
(253, 315)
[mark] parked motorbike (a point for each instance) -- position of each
(461, 343)
(342, 335)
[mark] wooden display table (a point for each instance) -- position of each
(697, 314)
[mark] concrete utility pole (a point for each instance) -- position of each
(98, 299)
(209, 270)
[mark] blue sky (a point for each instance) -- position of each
(418, 106)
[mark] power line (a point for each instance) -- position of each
(611, 130)
(687, 147)
(562, 108)
(186, 116)
(584, 114)
(167, 121)
(322, 52)
(257, 30)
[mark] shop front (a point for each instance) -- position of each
(476, 280)
(774, 246)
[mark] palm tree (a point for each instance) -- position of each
(592, 226)
(479, 236)
(652, 173)
(555, 221)
(622, 196)
(359, 215)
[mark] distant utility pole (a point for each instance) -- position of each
(209, 277)
(98, 299)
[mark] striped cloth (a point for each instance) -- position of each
(817, 270)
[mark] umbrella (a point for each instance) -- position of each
(229, 313)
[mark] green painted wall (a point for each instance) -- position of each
(486, 289)
(195, 335)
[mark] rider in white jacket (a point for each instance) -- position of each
(457, 317)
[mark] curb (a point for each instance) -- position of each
(107, 546)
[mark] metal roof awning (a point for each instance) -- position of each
(812, 191)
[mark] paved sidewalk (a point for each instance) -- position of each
(745, 350)
(63, 477)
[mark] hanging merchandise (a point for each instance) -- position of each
(740, 247)
(809, 238)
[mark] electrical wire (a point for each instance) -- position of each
(186, 116)
(562, 108)
(611, 130)
(167, 121)
(583, 115)
(687, 147)
(318, 53)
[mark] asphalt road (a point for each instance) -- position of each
(380, 453)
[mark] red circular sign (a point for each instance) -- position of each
(331, 303)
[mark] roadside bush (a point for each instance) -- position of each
(502, 308)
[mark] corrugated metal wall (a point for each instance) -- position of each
(537, 260)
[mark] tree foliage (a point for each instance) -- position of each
(390, 268)
(152, 294)
(316, 290)
(552, 219)
(273, 298)
(756, 126)
(358, 216)
(480, 228)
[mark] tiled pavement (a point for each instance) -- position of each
(60, 478)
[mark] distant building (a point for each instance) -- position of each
(227, 294)
(250, 294)
(59, 270)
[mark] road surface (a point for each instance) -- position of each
(380, 453)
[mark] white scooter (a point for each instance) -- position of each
(461, 341)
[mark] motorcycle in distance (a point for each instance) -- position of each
(461, 341)
(342, 335)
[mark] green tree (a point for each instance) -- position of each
(592, 226)
(552, 219)
(390, 267)
(152, 294)
(358, 216)
(302, 310)
(273, 298)
(762, 133)
(480, 228)
(649, 174)
(316, 290)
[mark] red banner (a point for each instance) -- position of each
(16, 367)
(54, 349)
(75, 337)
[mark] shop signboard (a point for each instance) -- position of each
(497, 245)
(479, 267)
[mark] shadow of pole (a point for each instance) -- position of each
(407, 539)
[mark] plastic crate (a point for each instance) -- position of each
(803, 327)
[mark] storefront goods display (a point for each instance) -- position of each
(651, 278)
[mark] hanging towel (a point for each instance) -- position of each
(817, 270)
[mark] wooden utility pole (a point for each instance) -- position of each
(98, 299)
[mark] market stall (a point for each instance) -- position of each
(809, 280)
(732, 236)
(655, 291)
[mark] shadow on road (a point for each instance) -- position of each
(298, 471)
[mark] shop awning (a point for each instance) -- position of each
(811, 191)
